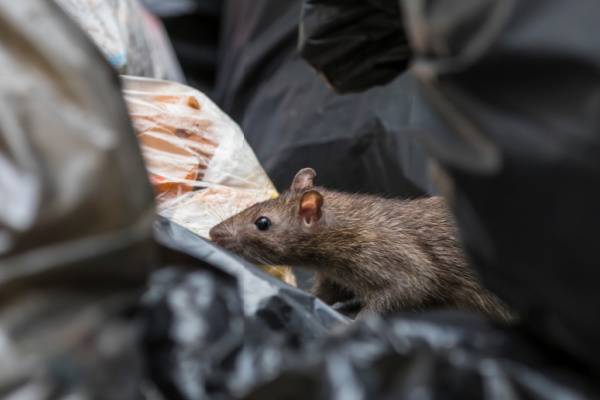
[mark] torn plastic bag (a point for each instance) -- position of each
(206, 339)
(132, 39)
(292, 119)
(76, 215)
(354, 44)
(201, 166)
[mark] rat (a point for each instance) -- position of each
(389, 255)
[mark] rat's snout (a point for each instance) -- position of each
(222, 234)
(216, 233)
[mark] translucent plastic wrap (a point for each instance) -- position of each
(200, 165)
(133, 41)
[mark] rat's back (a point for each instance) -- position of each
(406, 255)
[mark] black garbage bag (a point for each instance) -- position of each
(75, 217)
(433, 356)
(292, 119)
(515, 89)
(207, 337)
(216, 326)
(518, 90)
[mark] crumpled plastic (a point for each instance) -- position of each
(210, 336)
(132, 39)
(202, 168)
(65, 146)
(207, 338)
(76, 215)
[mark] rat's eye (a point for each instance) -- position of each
(263, 223)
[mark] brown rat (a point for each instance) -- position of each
(393, 255)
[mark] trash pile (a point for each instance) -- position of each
(112, 171)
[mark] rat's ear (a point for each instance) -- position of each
(310, 206)
(304, 179)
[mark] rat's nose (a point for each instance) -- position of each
(219, 234)
(215, 234)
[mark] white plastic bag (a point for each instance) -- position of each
(132, 40)
(199, 162)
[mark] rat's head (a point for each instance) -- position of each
(273, 232)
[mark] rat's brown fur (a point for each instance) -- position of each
(394, 255)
